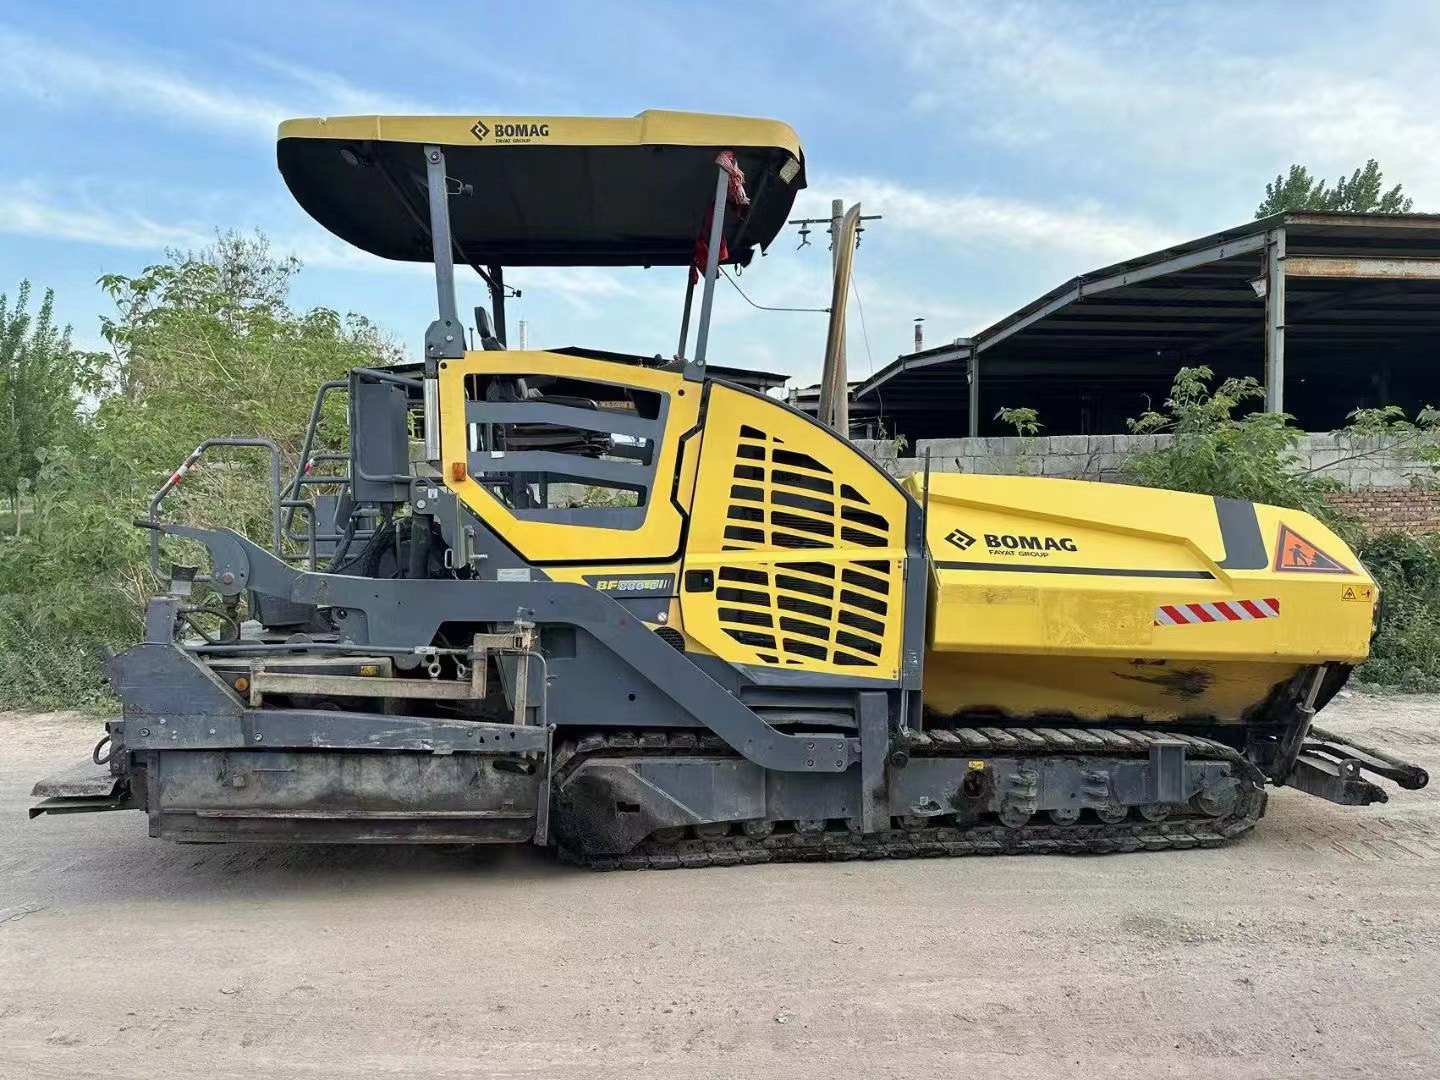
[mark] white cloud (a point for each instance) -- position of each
(979, 222)
(1193, 99)
(69, 213)
(339, 96)
(58, 76)
(27, 210)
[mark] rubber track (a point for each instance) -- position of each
(837, 845)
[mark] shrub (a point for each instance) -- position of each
(1406, 651)
(1255, 456)
(204, 345)
(1215, 452)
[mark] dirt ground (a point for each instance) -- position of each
(1306, 950)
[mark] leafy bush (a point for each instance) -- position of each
(1255, 456)
(1252, 456)
(1406, 651)
(1025, 421)
(204, 345)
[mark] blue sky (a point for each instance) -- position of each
(1008, 146)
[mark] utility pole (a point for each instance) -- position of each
(838, 368)
(845, 229)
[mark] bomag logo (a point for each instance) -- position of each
(510, 132)
(961, 539)
(1008, 542)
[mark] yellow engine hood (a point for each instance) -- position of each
(1144, 602)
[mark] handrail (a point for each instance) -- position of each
(314, 425)
(151, 520)
(388, 376)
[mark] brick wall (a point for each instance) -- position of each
(1379, 486)
(1393, 510)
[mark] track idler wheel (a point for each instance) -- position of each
(1015, 816)
(1112, 814)
(1065, 816)
(1218, 799)
(1155, 811)
(757, 830)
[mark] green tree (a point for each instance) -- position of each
(1362, 192)
(203, 344)
(41, 380)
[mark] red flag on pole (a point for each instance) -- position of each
(736, 196)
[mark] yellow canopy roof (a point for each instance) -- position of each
(554, 191)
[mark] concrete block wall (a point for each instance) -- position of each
(1076, 457)
(1354, 463)
(1380, 486)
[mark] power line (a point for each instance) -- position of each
(766, 307)
(860, 306)
(865, 333)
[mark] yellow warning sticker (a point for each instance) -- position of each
(1360, 594)
(977, 766)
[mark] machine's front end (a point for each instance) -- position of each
(623, 600)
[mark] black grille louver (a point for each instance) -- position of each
(833, 612)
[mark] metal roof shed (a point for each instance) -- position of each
(1331, 310)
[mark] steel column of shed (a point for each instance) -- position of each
(973, 378)
(1275, 320)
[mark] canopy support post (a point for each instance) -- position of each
(444, 339)
(685, 318)
(712, 268)
(440, 240)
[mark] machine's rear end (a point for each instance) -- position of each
(1155, 606)
(646, 616)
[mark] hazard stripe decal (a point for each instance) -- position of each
(1219, 611)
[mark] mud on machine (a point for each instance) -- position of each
(631, 610)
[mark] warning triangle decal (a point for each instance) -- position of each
(1294, 552)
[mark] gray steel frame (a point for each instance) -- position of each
(403, 613)
(636, 474)
(969, 349)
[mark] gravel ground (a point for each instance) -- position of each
(1306, 950)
